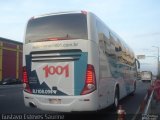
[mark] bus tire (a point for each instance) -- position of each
(116, 98)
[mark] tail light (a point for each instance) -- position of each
(25, 81)
(90, 81)
(84, 12)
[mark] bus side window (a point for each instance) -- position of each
(108, 44)
(112, 45)
(102, 43)
(103, 36)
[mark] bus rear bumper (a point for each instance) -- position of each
(62, 103)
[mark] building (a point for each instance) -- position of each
(10, 59)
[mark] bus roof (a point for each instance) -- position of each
(60, 13)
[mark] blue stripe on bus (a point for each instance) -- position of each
(80, 73)
(117, 71)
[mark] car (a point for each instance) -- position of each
(9, 81)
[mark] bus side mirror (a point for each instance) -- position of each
(138, 63)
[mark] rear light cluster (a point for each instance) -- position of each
(25, 81)
(84, 12)
(90, 81)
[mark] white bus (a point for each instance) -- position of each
(73, 62)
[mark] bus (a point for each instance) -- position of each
(73, 62)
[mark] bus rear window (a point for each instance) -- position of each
(57, 27)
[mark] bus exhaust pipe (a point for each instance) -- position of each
(31, 104)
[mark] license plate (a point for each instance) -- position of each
(55, 101)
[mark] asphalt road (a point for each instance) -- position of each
(11, 102)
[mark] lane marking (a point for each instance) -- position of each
(134, 117)
(138, 110)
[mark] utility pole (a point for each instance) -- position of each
(157, 59)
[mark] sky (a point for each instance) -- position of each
(137, 22)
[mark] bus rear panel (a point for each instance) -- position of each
(57, 74)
